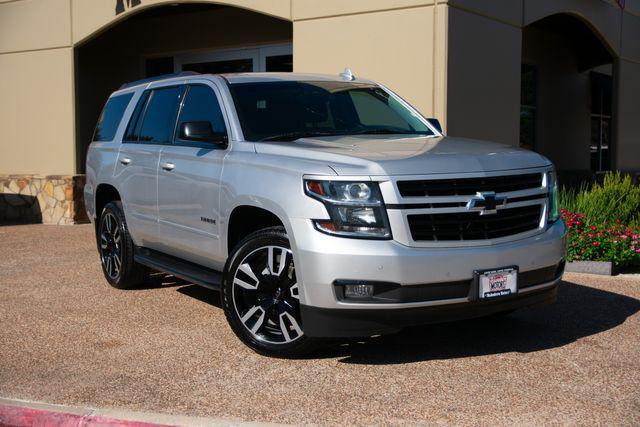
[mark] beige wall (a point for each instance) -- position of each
(483, 75)
(394, 47)
(92, 16)
(34, 24)
(36, 112)
(457, 60)
(483, 81)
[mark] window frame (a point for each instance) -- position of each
(197, 144)
(138, 119)
(601, 116)
(530, 107)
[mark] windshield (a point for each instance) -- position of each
(286, 111)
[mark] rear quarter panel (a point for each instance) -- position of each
(102, 158)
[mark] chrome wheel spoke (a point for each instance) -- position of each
(109, 266)
(108, 223)
(117, 263)
(103, 241)
(294, 290)
(289, 324)
(246, 269)
(251, 314)
(282, 261)
(270, 259)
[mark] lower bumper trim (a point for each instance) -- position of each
(329, 322)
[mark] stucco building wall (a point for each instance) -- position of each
(457, 60)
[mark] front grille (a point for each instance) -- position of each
(469, 186)
(472, 226)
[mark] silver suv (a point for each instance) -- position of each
(319, 206)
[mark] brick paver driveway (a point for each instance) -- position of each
(67, 337)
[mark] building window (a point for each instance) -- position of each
(158, 66)
(600, 147)
(528, 106)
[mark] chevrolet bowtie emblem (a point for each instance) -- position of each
(486, 203)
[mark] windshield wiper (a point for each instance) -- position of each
(292, 136)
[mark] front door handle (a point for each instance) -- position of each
(168, 166)
(125, 161)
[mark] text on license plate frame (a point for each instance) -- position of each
(504, 282)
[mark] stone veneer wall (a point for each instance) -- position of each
(54, 199)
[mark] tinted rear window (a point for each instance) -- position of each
(110, 117)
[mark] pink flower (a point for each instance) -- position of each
(624, 236)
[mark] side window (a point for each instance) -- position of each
(373, 110)
(201, 106)
(110, 117)
(157, 120)
(133, 128)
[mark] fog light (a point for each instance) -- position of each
(358, 291)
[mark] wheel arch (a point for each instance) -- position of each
(245, 219)
(104, 194)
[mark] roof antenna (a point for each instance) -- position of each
(347, 74)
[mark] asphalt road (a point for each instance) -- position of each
(66, 337)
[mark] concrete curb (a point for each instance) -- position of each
(591, 267)
(17, 412)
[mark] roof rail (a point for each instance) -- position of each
(156, 78)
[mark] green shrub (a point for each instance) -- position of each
(603, 221)
(616, 199)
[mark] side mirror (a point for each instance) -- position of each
(201, 132)
(436, 124)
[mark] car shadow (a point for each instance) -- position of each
(580, 311)
(202, 294)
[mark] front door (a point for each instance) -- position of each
(189, 183)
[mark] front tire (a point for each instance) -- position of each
(261, 297)
(116, 249)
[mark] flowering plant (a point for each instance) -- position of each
(606, 241)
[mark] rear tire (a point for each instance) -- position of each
(260, 296)
(116, 249)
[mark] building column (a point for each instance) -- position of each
(627, 115)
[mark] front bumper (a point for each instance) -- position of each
(324, 322)
(322, 261)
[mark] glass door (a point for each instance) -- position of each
(264, 58)
(231, 61)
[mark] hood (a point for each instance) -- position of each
(400, 155)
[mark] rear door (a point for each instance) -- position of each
(150, 128)
(189, 180)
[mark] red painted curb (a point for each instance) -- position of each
(22, 417)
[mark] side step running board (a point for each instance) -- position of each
(186, 270)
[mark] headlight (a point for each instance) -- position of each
(554, 202)
(355, 208)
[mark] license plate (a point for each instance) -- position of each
(498, 283)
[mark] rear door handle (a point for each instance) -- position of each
(125, 161)
(168, 166)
